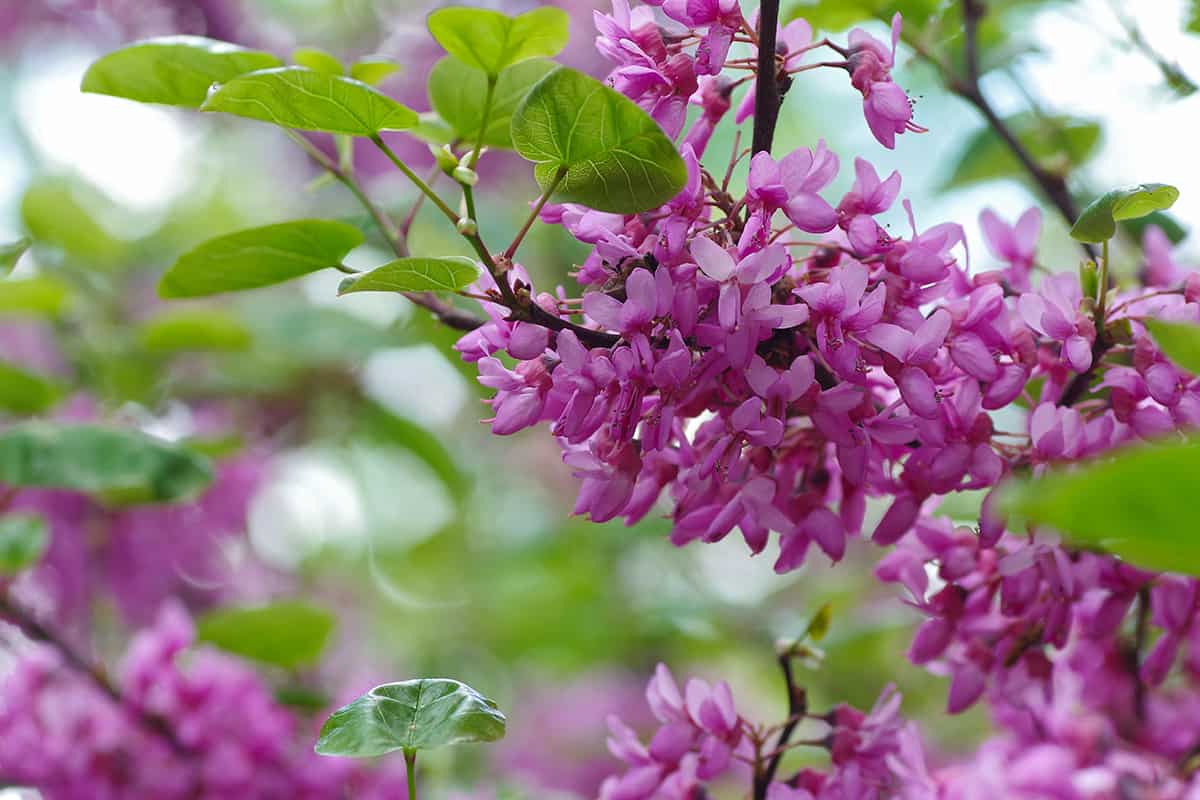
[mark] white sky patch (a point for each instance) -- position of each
(416, 382)
(135, 153)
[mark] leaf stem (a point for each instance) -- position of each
(416, 179)
(410, 773)
(533, 215)
(1102, 289)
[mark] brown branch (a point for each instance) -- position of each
(37, 631)
(797, 708)
(768, 95)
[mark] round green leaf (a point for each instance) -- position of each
(1179, 340)
(1054, 142)
(1098, 222)
(1135, 504)
(411, 715)
(457, 92)
(207, 329)
(259, 257)
(176, 70)
(295, 97)
(23, 541)
(24, 392)
(492, 41)
(287, 634)
(122, 466)
(415, 275)
(615, 156)
(317, 60)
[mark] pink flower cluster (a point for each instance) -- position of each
(702, 739)
(781, 362)
(62, 735)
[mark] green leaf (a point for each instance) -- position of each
(1098, 222)
(23, 541)
(433, 130)
(206, 329)
(457, 92)
(294, 97)
(492, 41)
(176, 70)
(818, 626)
(1193, 17)
(411, 715)
(416, 274)
(317, 60)
(1136, 228)
(381, 425)
(373, 70)
(11, 253)
(289, 634)
(57, 212)
(1180, 341)
(1057, 143)
(122, 466)
(615, 156)
(38, 296)
(23, 392)
(259, 257)
(1135, 504)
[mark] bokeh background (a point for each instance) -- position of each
(355, 473)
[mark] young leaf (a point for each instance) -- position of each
(23, 541)
(259, 257)
(40, 296)
(492, 41)
(119, 465)
(373, 70)
(11, 253)
(1135, 504)
(317, 60)
(615, 156)
(1098, 222)
(207, 329)
(411, 715)
(295, 97)
(176, 70)
(1179, 340)
(457, 92)
(23, 392)
(59, 212)
(287, 634)
(415, 275)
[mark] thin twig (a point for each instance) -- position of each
(797, 708)
(767, 94)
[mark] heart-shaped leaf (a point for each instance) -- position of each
(614, 156)
(415, 275)
(176, 70)
(121, 466)
(11, 252)
(492, 41)
(1179, 340)
(40, 296)
(457, 92)
(317, 60)
(288, 634)
(1098, 222)
(373, 70)
(411, 715)
(259, 257)
(23, 541)
(1134, 504)
(208, 330)
(24, 392)
(295, 97)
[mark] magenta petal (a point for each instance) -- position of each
(897, 521)
(811, 213)
(825, 528)
(919, 392)
(966, 686)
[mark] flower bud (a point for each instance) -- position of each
(446, 160)
(466, 226)
(465, 176)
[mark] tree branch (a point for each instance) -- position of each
(38, 632)
(767, 94)
(797, 708)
